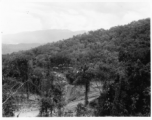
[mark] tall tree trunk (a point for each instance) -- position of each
(27, 90)
(59, 112)
(27, 85)
(51, 111)
(86, 93)
(115, 111)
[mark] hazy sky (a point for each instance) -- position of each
(30, 16)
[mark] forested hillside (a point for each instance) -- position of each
(116, 60)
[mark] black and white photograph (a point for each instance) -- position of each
(75, 58)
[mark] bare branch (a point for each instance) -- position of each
(13, 93)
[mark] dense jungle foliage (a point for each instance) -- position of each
(118, 57)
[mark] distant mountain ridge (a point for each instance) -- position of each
(33, 39)
(40, 36)
(9, 48)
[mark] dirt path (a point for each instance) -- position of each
(71, 106)
(28, 108)
(27, 113)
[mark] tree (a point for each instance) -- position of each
(82, 77)
(53, 97)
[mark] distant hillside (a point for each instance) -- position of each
(9, 48)
(40, 36)
(33, 39)
(93, 45)
(99, 44)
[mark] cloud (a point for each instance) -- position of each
(18, 17)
